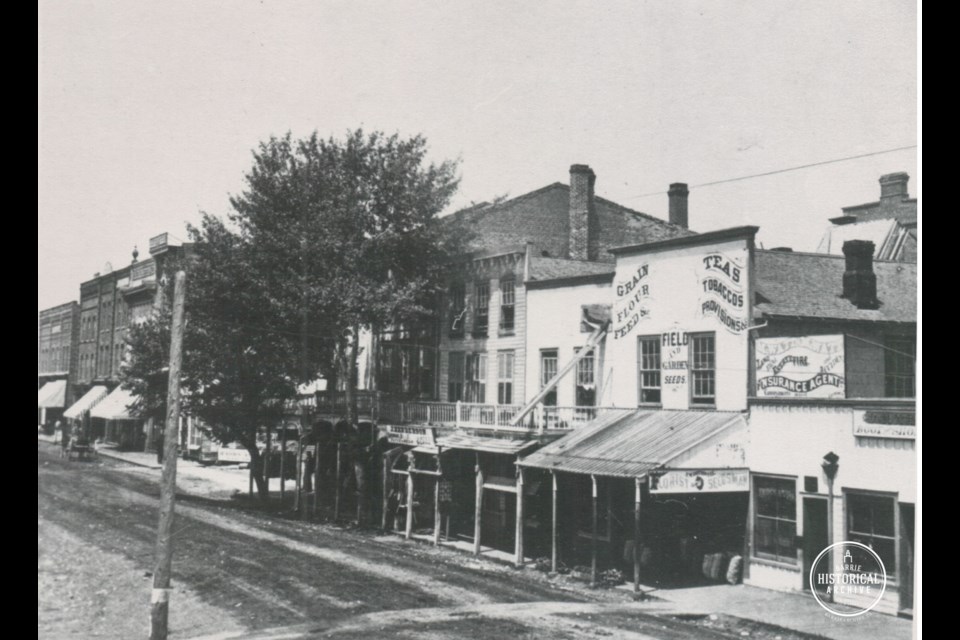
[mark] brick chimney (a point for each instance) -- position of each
(678, 203)
(584, 231)
(893, 186)
(859, 280)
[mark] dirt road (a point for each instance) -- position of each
(238, 571)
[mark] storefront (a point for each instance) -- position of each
(457, 487)
(51, 398)
(672, 485)
(79, 412)
(113, 421)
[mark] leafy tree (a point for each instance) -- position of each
(327, 238)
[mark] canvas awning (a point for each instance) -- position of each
(478, 443)
(633, 444)
(52, 395)
(115, 406)
(87, 402)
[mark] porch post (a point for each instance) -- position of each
(478, 510)
(518, 540)
(283, 464)
(408, 531)
(316, 477)
(386, 490)
(553, 524)
(593, 539)
(636, 535)
(436, 500)
(297, 497)
(336, 495)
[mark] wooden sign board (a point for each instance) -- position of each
(411, 435)
(700, 481)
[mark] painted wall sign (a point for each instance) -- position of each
(700, 481)
(895, 425)
(800, 367)
(632, 301)
(227, 454)
(413, 436)
(723, 291)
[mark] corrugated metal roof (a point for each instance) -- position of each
(89, 399)
(630, 445)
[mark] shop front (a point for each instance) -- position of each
(78, 414)
(51, 399)
(457, 487)
(114, 421)
(661, 495)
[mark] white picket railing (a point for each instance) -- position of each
(472, 415)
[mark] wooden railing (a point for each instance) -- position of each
(385, 409)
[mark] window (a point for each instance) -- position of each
(481, 319)
(900, 358)
(426, 372)
(386, 367)
(476, 377)
(458, 309)
(507, 305)
(775, 519)
(871, 521)
(455, 377)
(703, 374)
(505, 377)
(548, 369)
(648, 369)
(585, 380)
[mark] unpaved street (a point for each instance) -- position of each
(238, 570)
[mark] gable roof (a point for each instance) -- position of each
(809, 285)
(542, 217)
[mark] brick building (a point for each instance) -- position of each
(57, 335)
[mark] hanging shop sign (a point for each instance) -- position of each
(723, 291)
(411, 435)
(800, 367)
(632, 301)
(700, 481)
(894, 425)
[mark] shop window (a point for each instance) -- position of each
(507, 305)
(458, 309)
(455, 377)
(505, 362)
(585, 380)
(648, 369)
(548, 369)
(775, 519)
(481, 318)
(871, 520)
(386, 367)
(703, 372)
(900, 360)
(476, 377)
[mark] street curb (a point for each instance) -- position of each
(107, 453)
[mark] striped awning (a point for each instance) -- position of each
(87, 402)
(52, 395)
(633, 444)
(115, 406)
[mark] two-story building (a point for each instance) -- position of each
(759, 405)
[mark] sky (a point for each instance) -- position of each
(148, 112)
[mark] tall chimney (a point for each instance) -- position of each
(893, 186)
(678, 203)
(859, 280)
(584, 231)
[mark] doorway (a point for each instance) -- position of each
(815, 533)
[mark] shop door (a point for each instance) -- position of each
(814, 533)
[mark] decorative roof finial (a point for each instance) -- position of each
(136, 253)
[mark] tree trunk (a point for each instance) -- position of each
(256, 466)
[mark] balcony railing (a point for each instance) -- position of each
(385, 408)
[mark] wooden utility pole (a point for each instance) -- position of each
(160, 596)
